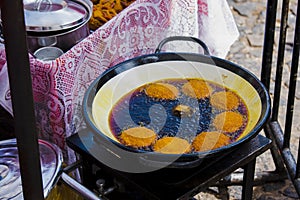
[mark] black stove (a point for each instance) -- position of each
(165, 183)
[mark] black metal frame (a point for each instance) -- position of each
(12, 14)
(281, 151)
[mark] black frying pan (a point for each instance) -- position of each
(117, 81)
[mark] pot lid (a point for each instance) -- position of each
(54, 15)
(10, 177)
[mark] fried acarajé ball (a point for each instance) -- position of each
(228, 121)
(172, 145)
(206, 141)
(138, 137)
(224, 100)
(196, 88)
(162, 91)
(182, 110)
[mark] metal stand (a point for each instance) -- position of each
(287, 167)
(286, 164)
(21, 91)
(281, 151)
(158, 185)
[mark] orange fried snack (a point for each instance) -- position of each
(228, 121)
(224, 100)
(172, 145)
(196, 88)
(206, 141)
(138, 137)
(105, 10)
(182, 110)
(162, 91)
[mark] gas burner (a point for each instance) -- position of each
(166, 183)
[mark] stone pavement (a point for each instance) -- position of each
(247, 52)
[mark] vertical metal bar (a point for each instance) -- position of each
(280, 58)
(248, 178)
(298, 162)
(292, 83)
(291, 168)
(86, 173)
(267, 66)
(268, 42)
(21, 91)
(274, 132)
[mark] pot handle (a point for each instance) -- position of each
(183, 38)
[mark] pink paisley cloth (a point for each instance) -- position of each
(59, 85)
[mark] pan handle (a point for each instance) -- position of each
(182, 38)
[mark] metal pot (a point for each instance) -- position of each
(60, 23)
(51, 160)
(113, 84)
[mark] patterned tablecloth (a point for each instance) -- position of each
(59, 85)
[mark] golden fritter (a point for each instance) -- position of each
(206, 141)
(228, 121)
(138, 137)
(196, 88)
(224, 100)
(182, 110)
(172, 145)
(162, 91)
